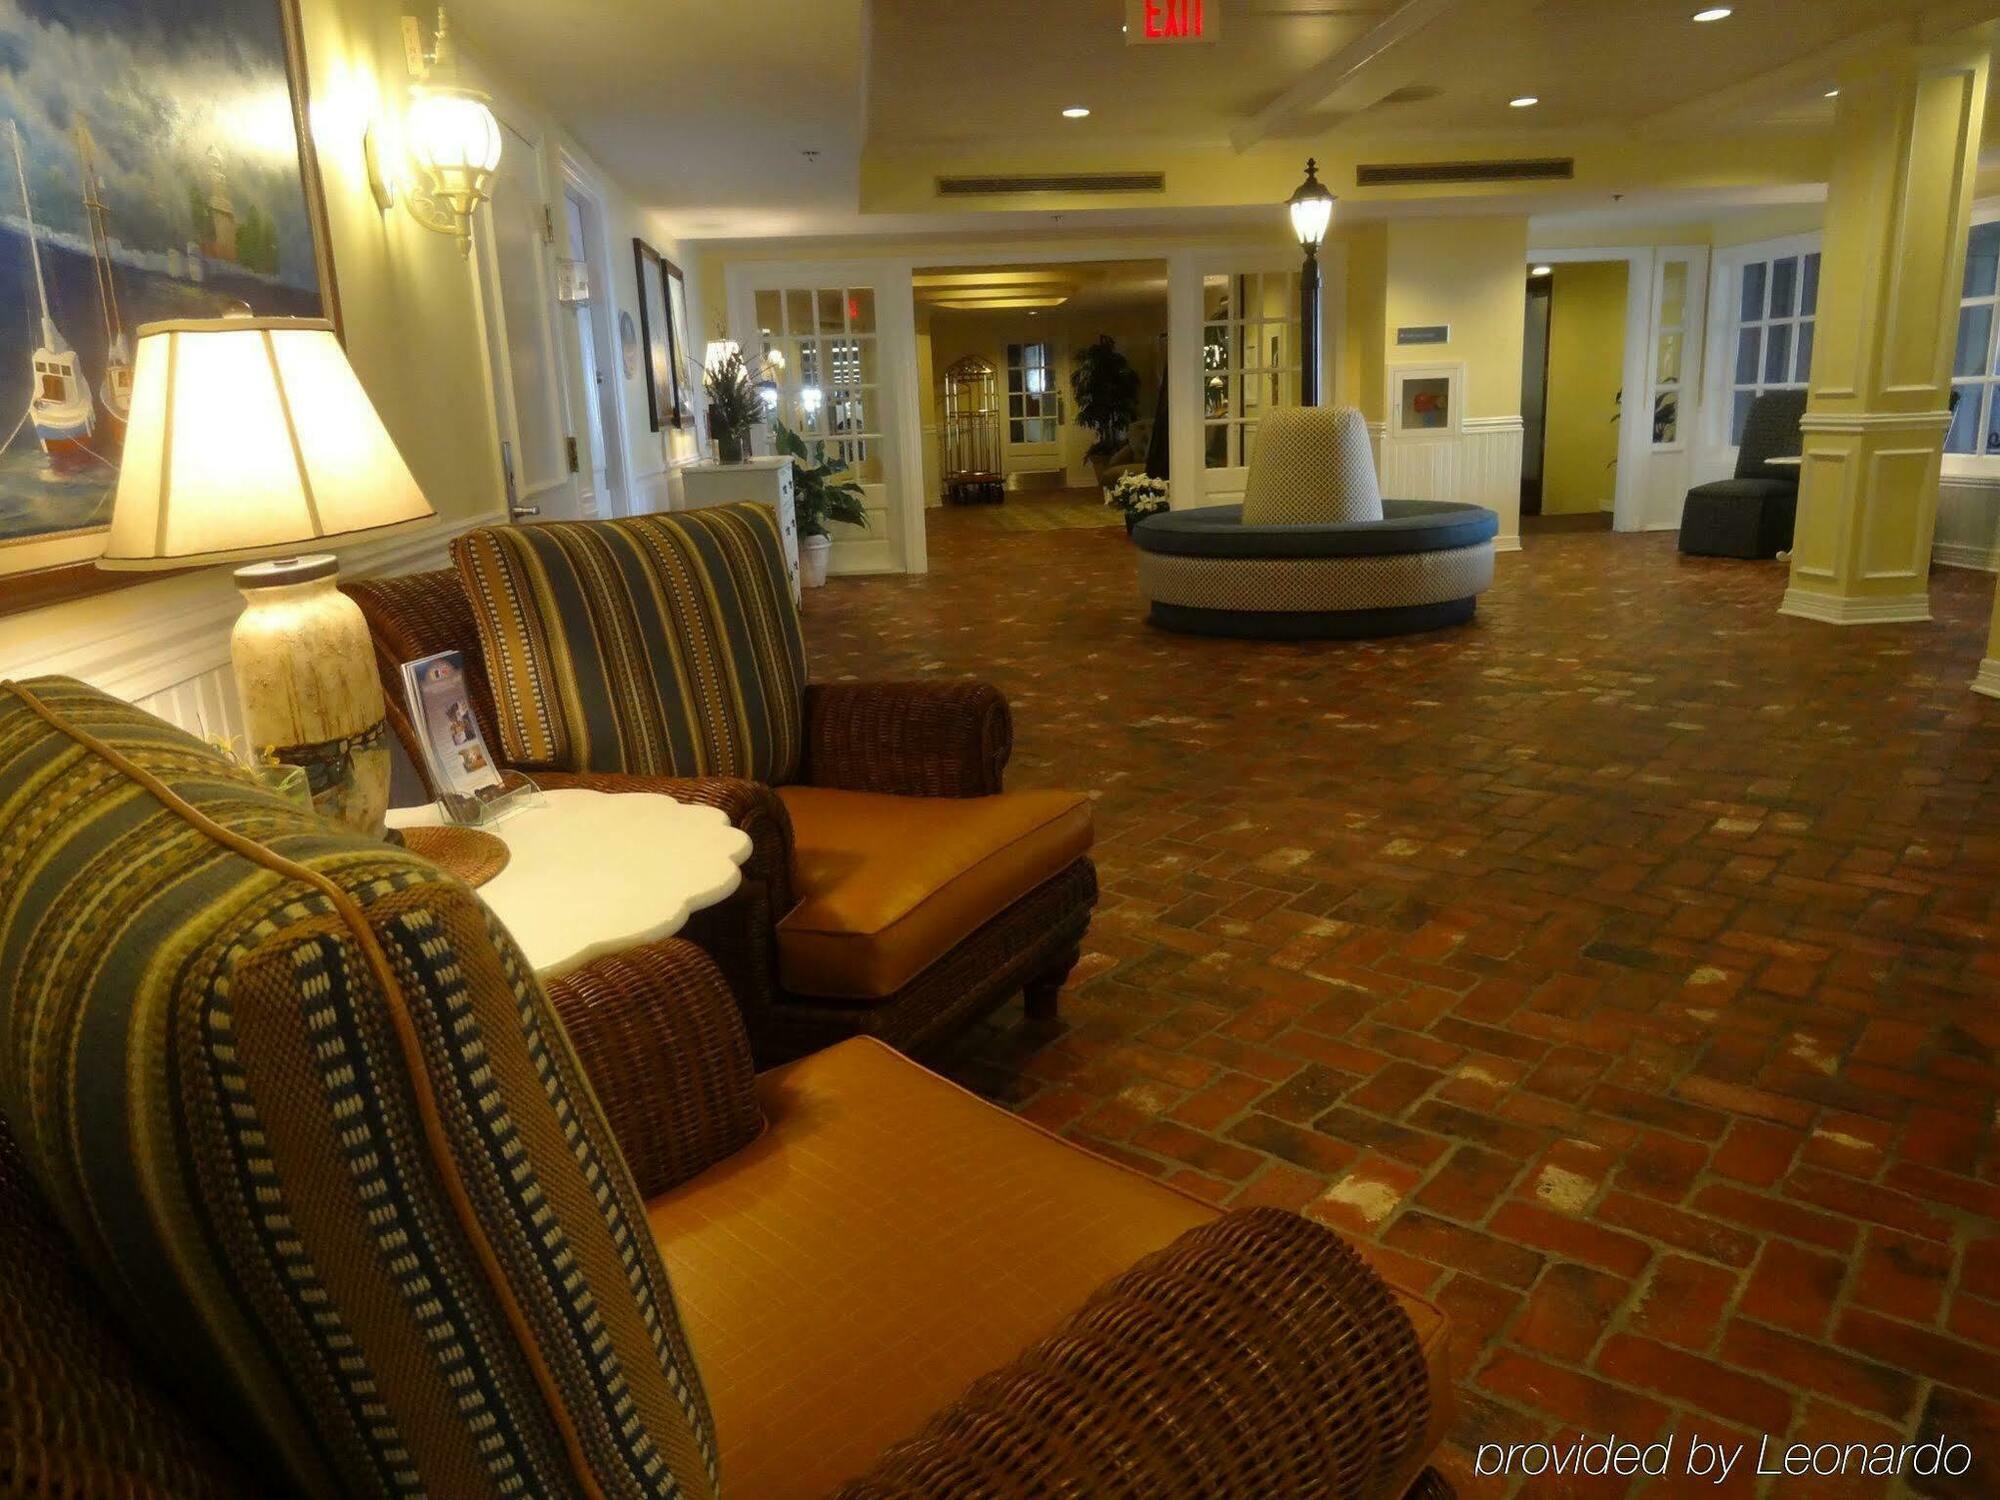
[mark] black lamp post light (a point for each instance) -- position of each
(1312, 215)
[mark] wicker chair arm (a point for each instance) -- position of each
(1257, 1355)
(910, 739)
(659, 1035)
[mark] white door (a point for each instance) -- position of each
(517, 279)
(1236, 352)
(1669, 418)
(1033, 421)
(839, 341)
(587, 387)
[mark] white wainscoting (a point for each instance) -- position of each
(165, 646)
(1480, 463)
(657, 491)
(1968, 525)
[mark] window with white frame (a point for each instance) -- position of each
(1672, 328)
(1975, 370)
(1250, 359)
(1032, 413)
(1777, 307)
(822, 345)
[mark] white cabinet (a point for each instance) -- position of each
(768, 481)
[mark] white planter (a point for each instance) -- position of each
(812, 559)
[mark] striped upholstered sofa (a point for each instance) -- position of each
(896, 889)
(308, 1187)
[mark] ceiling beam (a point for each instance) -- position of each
(1817, 69)
(1311, 90)
(991, 278)
(993, 304)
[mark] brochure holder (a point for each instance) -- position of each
(490, 806)
(472, 791)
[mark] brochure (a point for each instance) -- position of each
(440, 707)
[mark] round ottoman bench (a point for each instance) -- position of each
(1421, 567)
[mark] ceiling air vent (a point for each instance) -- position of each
(1059, 182)
(1523, 169)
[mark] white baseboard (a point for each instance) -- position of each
(1507, 544)
(1988, 680)
(1965, 555)
(1836, 609)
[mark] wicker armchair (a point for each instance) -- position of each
(1253, 1354)
(351, 1204)
(902, 740)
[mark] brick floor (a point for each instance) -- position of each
(1620, 969)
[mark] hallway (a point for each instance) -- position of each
(1617, 967)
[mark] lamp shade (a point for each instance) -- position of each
(1311, 209)
(453, 135)
(248, 438)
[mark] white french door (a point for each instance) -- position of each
(841, 342)
(1034, 411)
(1668, 420)
(539, 455)
(1236, 354)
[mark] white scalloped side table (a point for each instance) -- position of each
(593, 873)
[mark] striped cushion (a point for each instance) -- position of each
(317, 1137)
(1311, 465)
(657, 646)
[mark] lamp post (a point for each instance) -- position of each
(1312, 214)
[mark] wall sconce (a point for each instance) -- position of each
(453, 141)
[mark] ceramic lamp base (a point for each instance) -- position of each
(305, 673)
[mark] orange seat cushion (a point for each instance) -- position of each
(889, 885)
(888, 1240)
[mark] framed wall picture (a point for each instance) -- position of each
(154, 164)
(687, 375)
(1424, 400)
(656, 338)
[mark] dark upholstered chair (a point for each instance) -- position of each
(1752, 515)
(894, 889)
(308, 1187)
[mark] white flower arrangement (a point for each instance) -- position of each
(1138, 495)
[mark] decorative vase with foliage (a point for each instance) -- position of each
(820, 494)
(1138, 496)
(1106, 388)
(734, 407)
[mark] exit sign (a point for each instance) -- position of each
(1152, 21)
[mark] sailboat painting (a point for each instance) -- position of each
(153, 165)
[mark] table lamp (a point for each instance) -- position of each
(251, 438)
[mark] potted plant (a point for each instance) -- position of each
(1138, 496)
(819, 495)
(1106, 388)
(735, 407)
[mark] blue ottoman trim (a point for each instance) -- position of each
(1331, 625)
(1406, 526)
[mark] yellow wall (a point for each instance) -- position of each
(1586, 370)
(1362, 353)
(1471, 274)
(409, 310)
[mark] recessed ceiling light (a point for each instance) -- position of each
(1713, 13)
(1526, 101)
(1076, 112)
(1543, 271)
